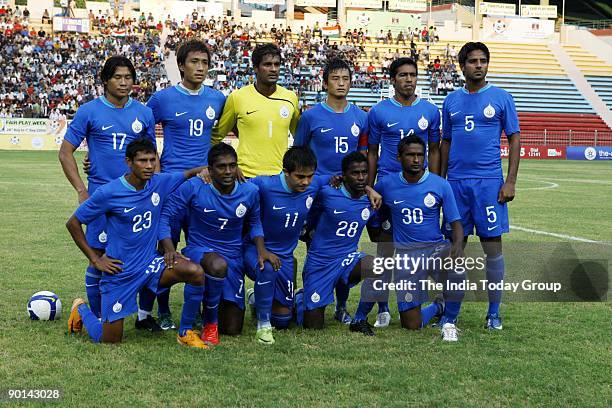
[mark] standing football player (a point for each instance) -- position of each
(391, 120)
(188, 112)
(474, 118)
(108, 124)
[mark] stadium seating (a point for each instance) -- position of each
(603, 86)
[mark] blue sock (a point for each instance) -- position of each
(213, 289)
(451, 311)
(163, 302)
(495, 273)
(280, 321)
(428, 313)
(92, 288)
(383, 307)
(91, 323)
(146, 298)
(342, 294)
(191, 306)
(299, 307)
(362, 311)
(264, 292)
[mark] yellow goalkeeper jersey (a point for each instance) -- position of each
(262, 124)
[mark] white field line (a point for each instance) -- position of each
(554, 234)
(548, 186)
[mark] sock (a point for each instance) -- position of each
(91, 323)
(299, 307)
(362, 311)
(342, 294)
(146, 298)
(142, 314)
(281, 321)
(383, 307)
(495, 273)
(92, 288)
(264, 292)
(451, 311)
(263, 325)
(192, 296)
(213, 289)
(428, 312)
(163, 302)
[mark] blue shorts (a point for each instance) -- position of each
(382, 219)
(233, 288)
(178, 223)
(96, 233)
(284, 286)
(321, 275)
(478, 207)
(119, 295)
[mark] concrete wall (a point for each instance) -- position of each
(592, 43)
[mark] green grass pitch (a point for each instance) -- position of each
(549, 354)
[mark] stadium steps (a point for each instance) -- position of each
(562, 122)
(588, 63)
(603, 86)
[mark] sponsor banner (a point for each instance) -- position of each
(375, 4)
(316, 3)
(374, 21)
(274, 2)
(589, 153)
(517, 29)
(413, 5)
(78, 25)
(539, 11)
(497, 9)
(536, 152)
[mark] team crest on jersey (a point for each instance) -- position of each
(240, 210)
(102, 237)
(309, 201)
(489, 111)
(284, 112)
(210, 113)
(315, 298)
(365, 214)
(429, 200)
(423, 123)
(155, 199)
(117, 307)
(355, 129)
(137, 126)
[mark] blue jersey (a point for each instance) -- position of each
(283, 212)
(108, 130)
(132, 219)
(331, 135)
(390, 122)
(215, 220)
(187, 121)
(415, 207)
(341, 223)
(474, 123)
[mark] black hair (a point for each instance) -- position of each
(111, 65)
(413, 139)
(261, 50)
(221, 149)
(354, 157)
(299, 157)
(139, 145)
(190, 46)
(398, 63)
(469, 47)
(336, 64)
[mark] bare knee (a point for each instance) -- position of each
(314, 319)
(411, 319)
(215, 266)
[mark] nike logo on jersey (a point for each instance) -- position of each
(248, 113)
(177, 114)
(206, 210)
(339, 212)
(274, 207)
(326, 130)
(398, 201)
(263, 283)
(127, 210)
(392, 124)
(454, 113)
(107, 127)
(492, 228)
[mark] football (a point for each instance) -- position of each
(44, 305)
